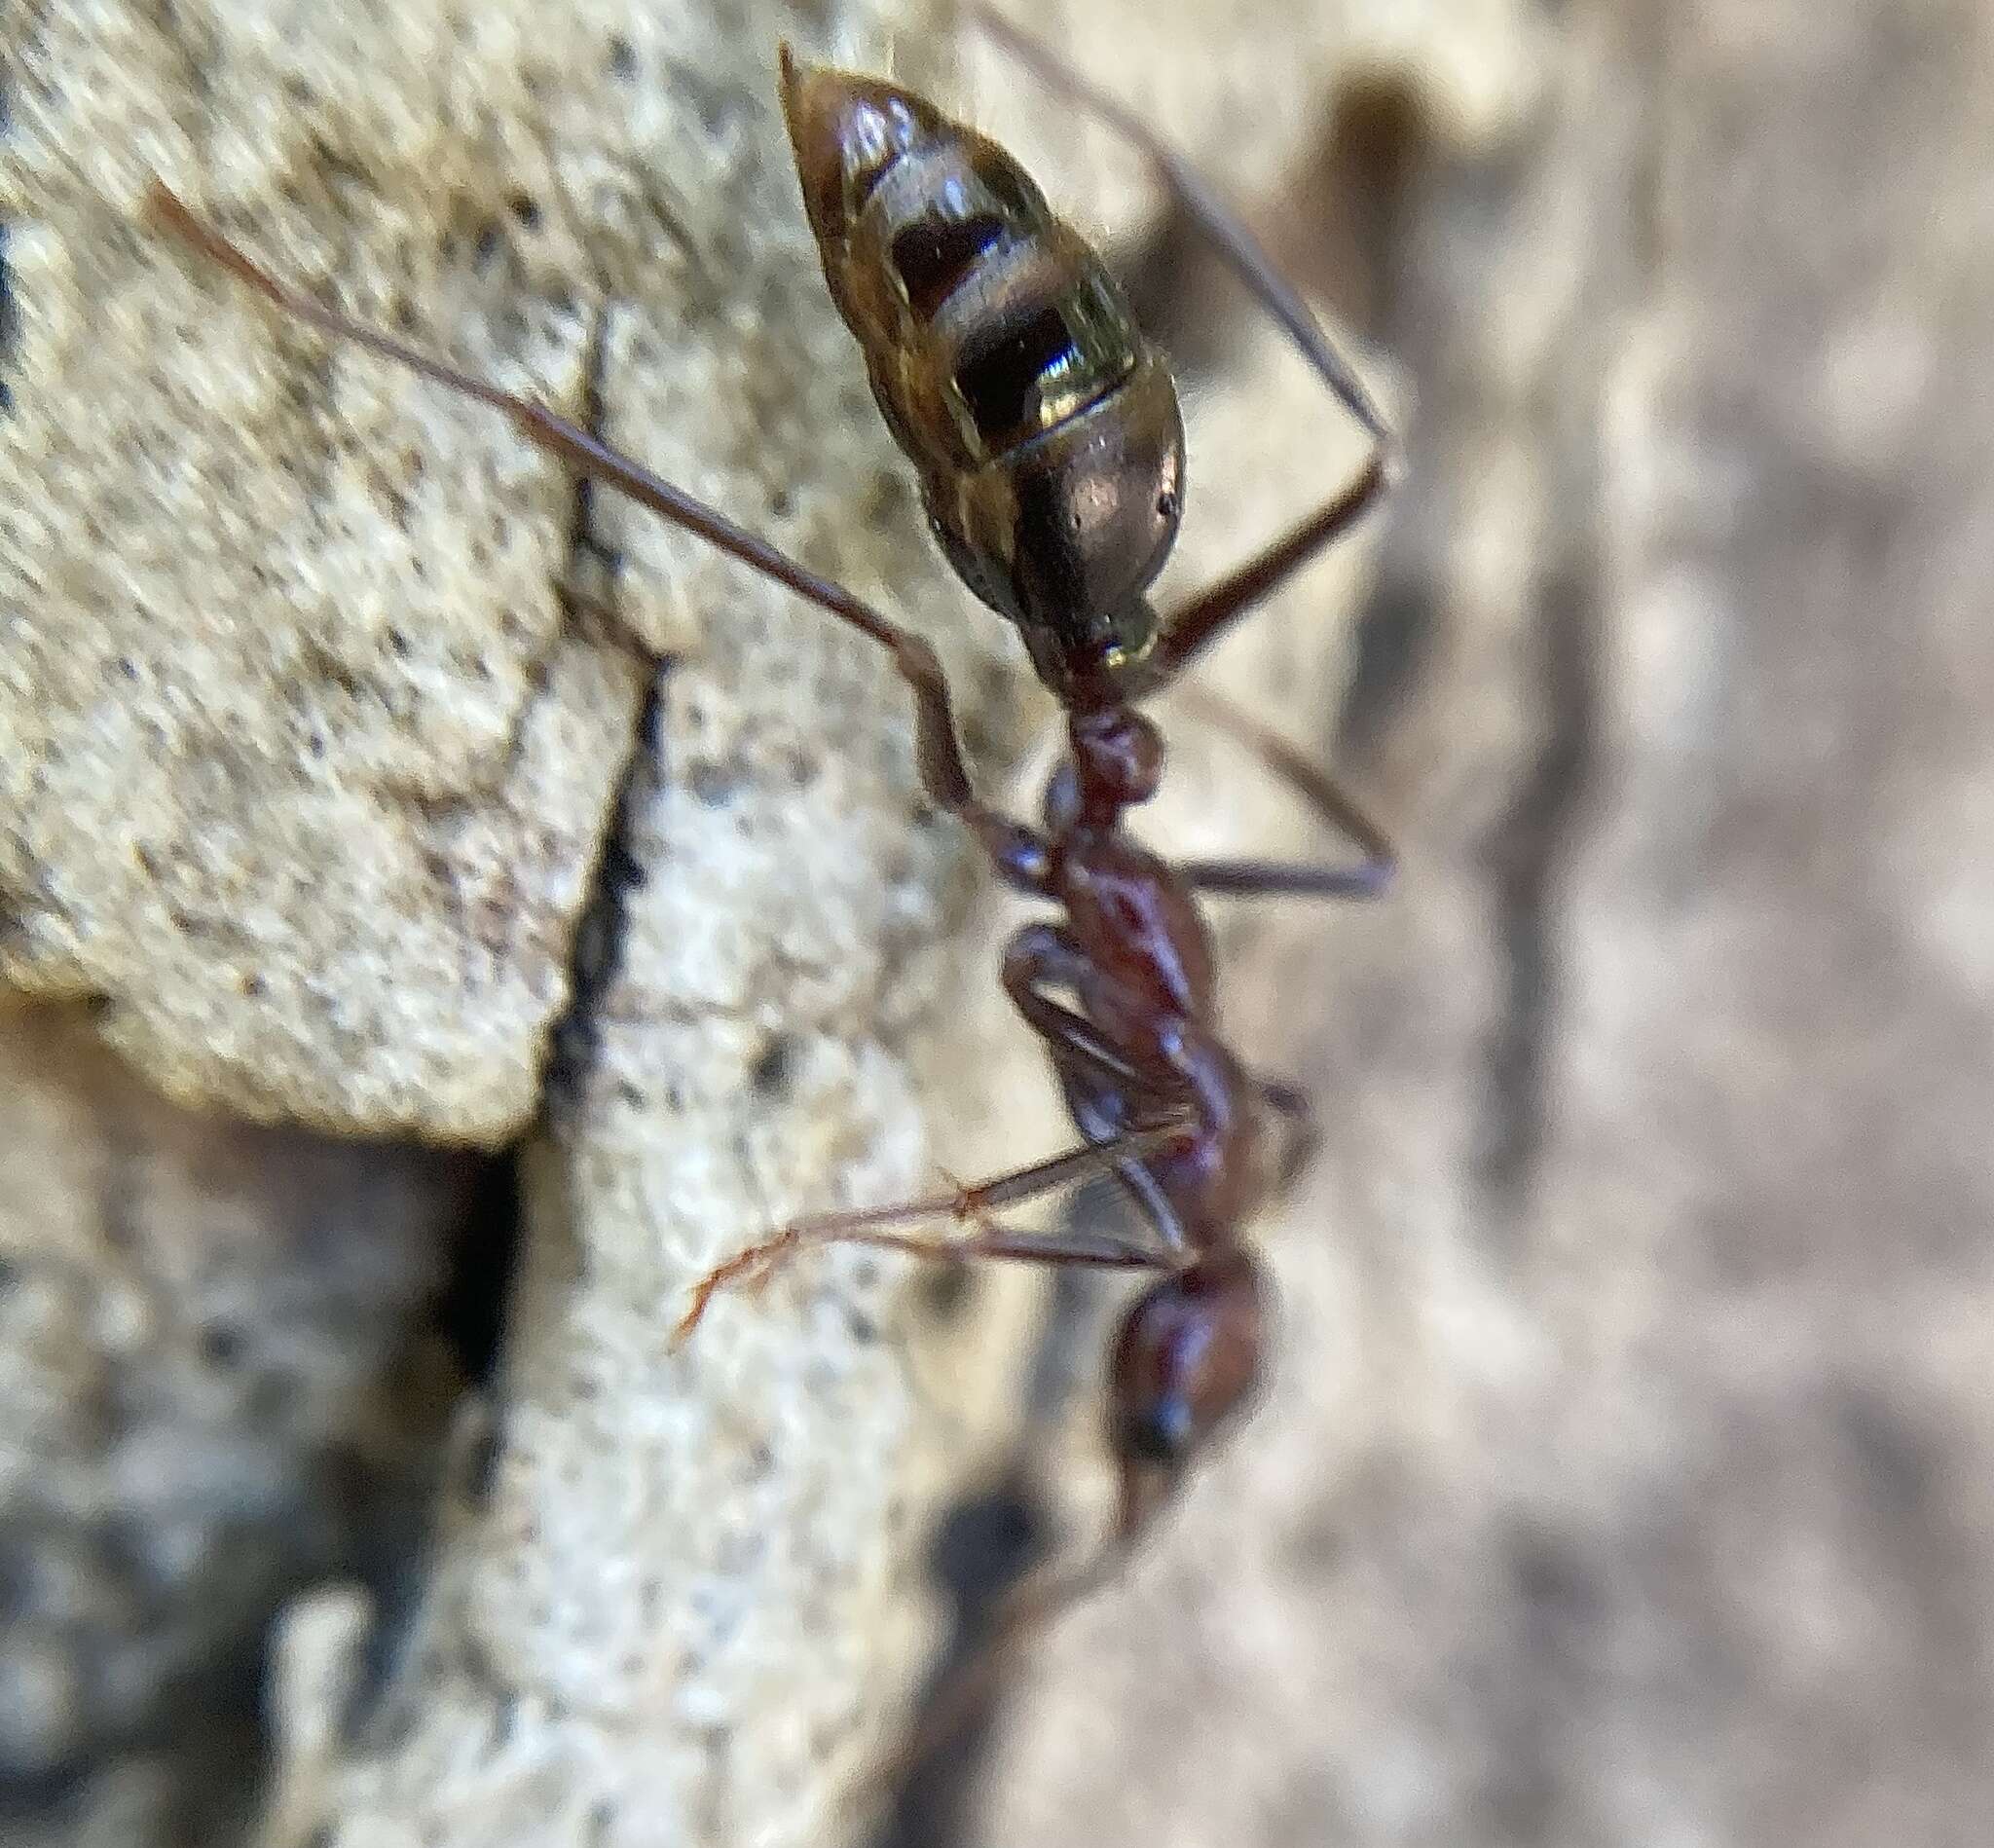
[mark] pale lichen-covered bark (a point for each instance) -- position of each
(1620, 1473)
(335, 811)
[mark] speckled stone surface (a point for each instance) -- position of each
(317, 792)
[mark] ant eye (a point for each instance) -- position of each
(1167, 504)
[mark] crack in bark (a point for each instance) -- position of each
(596, 949)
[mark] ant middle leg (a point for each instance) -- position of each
(1016, 852)
(1137, 1117)
(1041, 957)
(1363, 878)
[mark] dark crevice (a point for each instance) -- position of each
(391, 1552)
(393, 1563)
(598, 953)
(470, 1313)
(598, 957)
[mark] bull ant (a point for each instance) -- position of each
(1050, 446)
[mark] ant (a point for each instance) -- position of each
(1049, 445)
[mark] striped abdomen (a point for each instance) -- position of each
(1045, 427)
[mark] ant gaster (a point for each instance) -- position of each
(1050, 446)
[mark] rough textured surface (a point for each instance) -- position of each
(1621, 1476)
(303, 768)
(672, 1595)
(1625, 1476)
(215, 1391)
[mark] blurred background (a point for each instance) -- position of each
(1623, 1473)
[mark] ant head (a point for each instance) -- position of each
(1186, 1359)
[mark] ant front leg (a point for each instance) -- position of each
(1014, 850)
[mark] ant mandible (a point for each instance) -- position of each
(1049, 445)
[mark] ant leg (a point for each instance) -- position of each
(1015, 851)
(1041, 956)
(1365, 879)
(1229, 236)
(1191, 629)
(1188, 632)
(874, 1225)
(1101, 1085)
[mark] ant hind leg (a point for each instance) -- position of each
(1367, 877)
(879, 1227)
(1014, 850)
